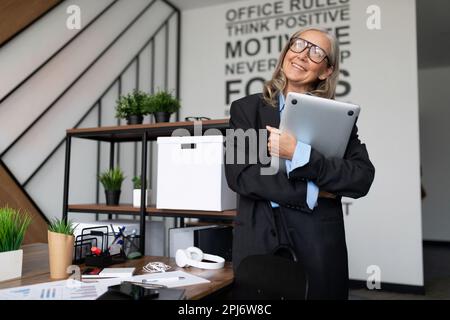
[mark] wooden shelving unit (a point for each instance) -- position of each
(139, 133)
(151, 211)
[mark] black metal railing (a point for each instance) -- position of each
(76, 80)
(98, 102)
(98, 106)
(17, 34)
(35, 71)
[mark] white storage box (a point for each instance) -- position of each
(191, 174)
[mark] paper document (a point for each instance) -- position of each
(170, 279)
(91, 289)
(98, 273)
(58, 290)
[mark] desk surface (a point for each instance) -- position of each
(36, 270)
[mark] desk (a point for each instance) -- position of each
(36, 270)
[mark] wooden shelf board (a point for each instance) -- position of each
(151, 211)
(128, 133)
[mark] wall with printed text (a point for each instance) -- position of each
(229, 50)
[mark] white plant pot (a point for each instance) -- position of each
(11, 264)
(137, 198)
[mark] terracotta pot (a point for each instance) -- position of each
(60, 251)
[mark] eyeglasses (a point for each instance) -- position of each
(315, 53)
(196, 118)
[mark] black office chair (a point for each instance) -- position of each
(275, 276)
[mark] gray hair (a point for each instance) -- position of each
(324, 88)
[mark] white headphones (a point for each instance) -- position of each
(193, 256)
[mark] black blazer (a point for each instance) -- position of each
(318, 235)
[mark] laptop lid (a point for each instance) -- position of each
(324, 124)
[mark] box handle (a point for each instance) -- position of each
(188, 146)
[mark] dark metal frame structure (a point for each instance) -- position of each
(136, 133)
(98, 104)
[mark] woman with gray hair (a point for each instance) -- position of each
(301, 207)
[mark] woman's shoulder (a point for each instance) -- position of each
(248, 104)
(253, 99)
(246, 107)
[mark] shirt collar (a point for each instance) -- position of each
(281, 101)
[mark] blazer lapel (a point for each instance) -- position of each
(268, 115)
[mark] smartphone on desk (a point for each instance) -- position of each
(134, 291)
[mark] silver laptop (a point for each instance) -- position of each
(324, 124)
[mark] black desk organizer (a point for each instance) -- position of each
(95, 237)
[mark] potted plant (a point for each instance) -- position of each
(132, 107)
(162, 104)
(13, 224)
(112, 182)
(137, 184)
(60, 247)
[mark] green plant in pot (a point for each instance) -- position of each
(137, 184)
(132, 107)
(162, 104)
(13, 225)
(112, 183)
(60, 247)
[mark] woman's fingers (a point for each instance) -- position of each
(273, 141)
(281, 144)
(273, 130)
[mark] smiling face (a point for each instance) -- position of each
(301, 73)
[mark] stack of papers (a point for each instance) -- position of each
(98, 273)
(91, 289)
(57, 290)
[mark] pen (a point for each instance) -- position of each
(117, 236)
(148, 285)
(163, 279)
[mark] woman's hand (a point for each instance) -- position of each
(281, 144)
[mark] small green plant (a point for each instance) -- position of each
(62, 226)
(163, 101)
(112, 179)
(137, 183)
(13, 224)
(134, 103)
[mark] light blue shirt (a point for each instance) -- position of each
(301, 157)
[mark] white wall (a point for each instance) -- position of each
(384, 228)
(435, 151)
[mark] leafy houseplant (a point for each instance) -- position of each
(137, 184)
(13, 224)
(112, 182)
(162, 104)
(60, 247)
(62, 226)
(132, 107)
